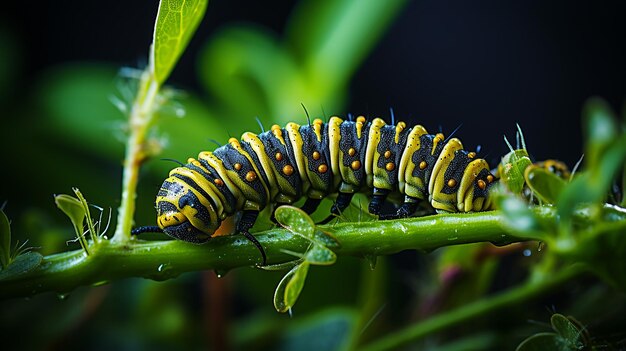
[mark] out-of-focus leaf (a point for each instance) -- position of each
(600, 129)
(329, 330)
(23, 263)
(546, 185)
(593, 185)
(295, 220)
(568, 337)
(542, 342)
(176, 22)
(320, 255)
(251, 74)
(5, 240)
(290, 287)
(518, 218)
(603, 250)
(568, 331)
(349, 27)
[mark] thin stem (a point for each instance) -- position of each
(479, 308)
(112, 260)
(140, 119)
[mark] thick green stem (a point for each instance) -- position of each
(479, 308)
(140, 120)
(112, 260)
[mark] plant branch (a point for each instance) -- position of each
(141, 116)
(162, 260)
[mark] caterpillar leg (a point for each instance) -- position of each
(246, 222)
(146, 229)
(377, 200)
(310, 205)
(406, 210)
(343, 201)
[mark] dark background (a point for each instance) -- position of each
(484, 65)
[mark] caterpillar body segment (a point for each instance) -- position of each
(282, 165)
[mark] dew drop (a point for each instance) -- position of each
(527, 252)
(220, 273)
(63, 296)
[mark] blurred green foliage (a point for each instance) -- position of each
(69, 132)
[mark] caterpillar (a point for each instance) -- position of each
(282, 165)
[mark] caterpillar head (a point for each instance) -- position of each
(184, 213)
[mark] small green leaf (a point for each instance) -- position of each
(23, 263)
(296, 221)
(83, 202)
(541, 342)
(326, 239)
(511, 169)
(73, 208)
(320, 255)
(176, 22)
(290, 287)
(5, 240)
(568, 331)
(546, 185)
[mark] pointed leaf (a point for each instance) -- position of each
(326, 239)
(24, 263)
(546, 185)
(290, 287)
(74, 209)
(296, 221)
(511, 169)
(320, 255)
(176, 22)
(567, 330)
(5, 240)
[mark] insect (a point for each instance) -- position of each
(282, 165)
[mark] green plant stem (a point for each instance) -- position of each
(479, 308)
(141, 117)
(111, 260)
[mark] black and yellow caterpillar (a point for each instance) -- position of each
(282, 165)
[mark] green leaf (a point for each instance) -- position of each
(568, 331)
(296, 221)
(290, 287)
(511, 169)
(546, 185)
(600, 129)
(5, 240)
(320, 255)
(518, 218)
(326, 239)
(22, 264)
(74, 209)
(176, 22)
(83, 202)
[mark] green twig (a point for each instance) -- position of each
(479, 308)
(141, 117)
(111, 260)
